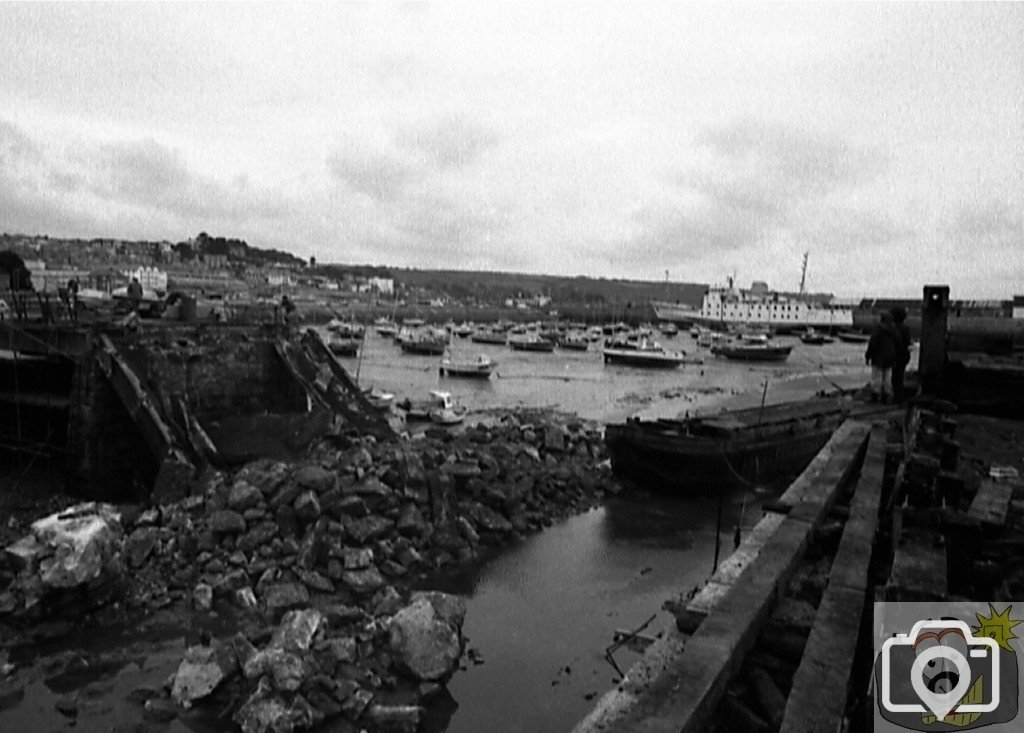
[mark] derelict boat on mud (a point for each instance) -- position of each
(638, 351)
(751, 447)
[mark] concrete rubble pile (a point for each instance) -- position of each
(69, 562)
(316, 562)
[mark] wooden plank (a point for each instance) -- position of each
(992, 503)
(817, 701)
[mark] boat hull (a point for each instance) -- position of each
(660, 456)
(640, 359)
(482, 338)
(739, 353)
(424, 348)
(468, 372)
(539, 345)
(343, 348)
(574, 345)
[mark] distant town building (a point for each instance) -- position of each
(1018, 306)
(150, 278)
(280, 279)
(49, 280)
(384, 285)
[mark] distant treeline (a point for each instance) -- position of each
(499, 286)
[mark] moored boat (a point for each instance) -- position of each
(640, 352)
(815, 338)
(668, 329)
(342, 345)
(378, 398)
(439, 408)
(742, 448)
(447, 413)
(489, 336)
(530, 342)
(574, 342)
(425, 340)
(480, 368)
(753, 348)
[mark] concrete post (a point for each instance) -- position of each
(934, 314)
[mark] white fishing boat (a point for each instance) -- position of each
(480, 368)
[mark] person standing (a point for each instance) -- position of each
(135, 294)
(899, 367)
(73, 297)
(881, 355)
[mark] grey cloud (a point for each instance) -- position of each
(992, 218)
(47, 190)
(146, 173)
(451, 141)
(805, 162)
(379, 176)
(436, 223)
(764, 179)
(679, 235)
(16, 148)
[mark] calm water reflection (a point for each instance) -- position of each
(543, 612)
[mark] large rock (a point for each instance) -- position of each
(139, 545)
(370, 487)
(227, 521)
(296, 631)
(449, 607)
(369, 528)
(364, 581)
(423, 642)
(307, 507)
(411, 521)
(316, 478)
(73, 547)
(489, 520)
(283, 597)
(267, 712)
(244, 495)
(357, 558)
(201, 671)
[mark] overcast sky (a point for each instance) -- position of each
(615, 140)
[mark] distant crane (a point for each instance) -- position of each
(803, 274)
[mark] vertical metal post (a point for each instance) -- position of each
(934, 316)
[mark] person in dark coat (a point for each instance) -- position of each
(135, 294)
(881, 355)
(899, 367)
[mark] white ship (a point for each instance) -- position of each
(681, 314)
(729, 306)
